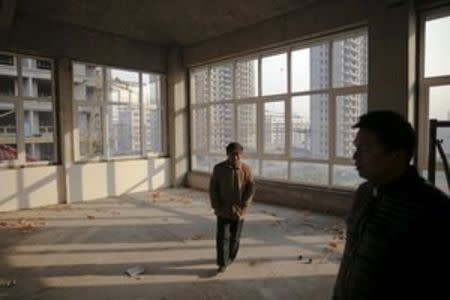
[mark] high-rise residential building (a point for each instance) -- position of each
(38, 121)
(349, 68)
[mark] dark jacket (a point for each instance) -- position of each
(395, 242)
(231, 190)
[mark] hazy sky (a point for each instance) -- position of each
(437, 63)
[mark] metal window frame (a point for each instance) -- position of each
(106, 156)
(425, 85)
(260, 100)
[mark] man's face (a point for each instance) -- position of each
(372, 160)
(234, 157)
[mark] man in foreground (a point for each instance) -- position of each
(398, 223)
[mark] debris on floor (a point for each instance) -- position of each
(304, 260)
(7, 283)
(257, 261)
(196, 237)
(276, 223)
(24, 225)
(135, 271)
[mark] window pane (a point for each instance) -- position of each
(36, 78)
(247, 126)
(275, 169)
(348, 110)
(437, 47)
(221, 133)
(222, 82)
(123, 86)
(247, 78)
(274, 74)
(309, 68)
(314, 173)
(346, 176)
(199, 85)
(350, 61)
(153, 130)
(124, 130)
(87, 82)
(39, 130)
(8, 146)
(439, 109)
(90, 131)
(274, 127)
(8, 75)
(200, 128)
(151, 91)
(253, 163)
(200, 163)
(310, 126)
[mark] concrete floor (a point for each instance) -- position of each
(81, 251)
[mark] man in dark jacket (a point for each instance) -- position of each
(398, 223)
(231, 191)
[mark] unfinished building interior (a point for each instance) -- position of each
(113, 114)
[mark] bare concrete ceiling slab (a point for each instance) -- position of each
(161, 22)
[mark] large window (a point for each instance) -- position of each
(434, 101)
(27, 110)
(118, 112)
(291, 108)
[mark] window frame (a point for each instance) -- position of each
(18, 102)
(260, 100)
(104, 104)
(425, 85)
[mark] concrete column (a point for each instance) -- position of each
(178, 117)
(65, 122)
(392, 52)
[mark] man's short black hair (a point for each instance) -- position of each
(234, 146)
(392, 130)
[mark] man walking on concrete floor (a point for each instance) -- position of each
(231, 191)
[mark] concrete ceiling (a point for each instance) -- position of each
(161, 22)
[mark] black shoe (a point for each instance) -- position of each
(221, 269)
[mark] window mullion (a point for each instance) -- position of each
(143, 137)
(332, 117)
(20, 133)
(105, 120)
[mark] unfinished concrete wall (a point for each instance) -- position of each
(30, 187)
(98, 180)
(329, 201)
(315, 20)
(56, 40)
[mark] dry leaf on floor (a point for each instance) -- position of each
(197, 237)
(276, 223)
(90, 217)
(332, 244)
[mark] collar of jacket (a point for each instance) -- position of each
(407, 181)
(235, 167)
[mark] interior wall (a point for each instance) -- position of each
(98, 180)
(314, 20)
(391, 62)
(57, 40)
(30, 187)
(69, 181)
